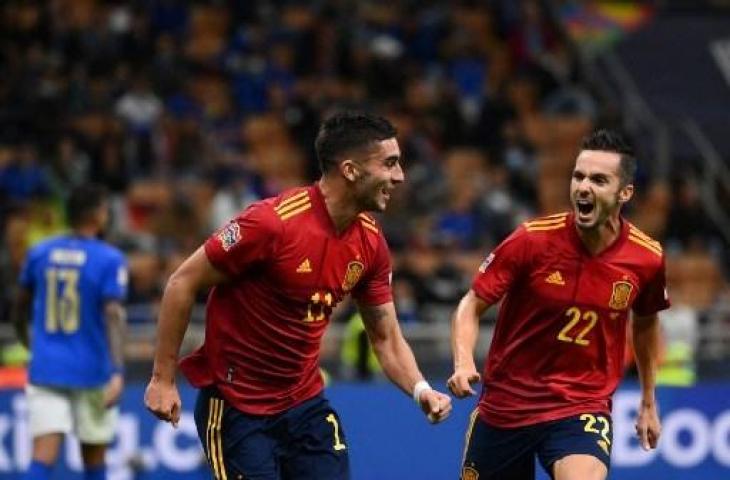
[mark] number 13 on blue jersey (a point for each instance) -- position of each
(62, 300)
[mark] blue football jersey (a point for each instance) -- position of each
(71, 279)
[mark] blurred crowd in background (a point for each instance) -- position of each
(190, 111)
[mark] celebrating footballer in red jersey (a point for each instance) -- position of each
(567, 283)
(277, 271)
(293, 270)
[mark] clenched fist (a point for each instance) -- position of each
(163, 400)
(461, 381)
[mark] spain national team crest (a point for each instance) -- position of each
(229, 235)
(354, 271)
(620, 295)
(468, 473)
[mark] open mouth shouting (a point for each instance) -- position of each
(585, 209)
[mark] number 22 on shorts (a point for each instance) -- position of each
(589, 427)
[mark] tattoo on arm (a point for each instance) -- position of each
(116, 320)
(375, 320)
(373, 314)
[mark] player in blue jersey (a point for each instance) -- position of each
(72, 287)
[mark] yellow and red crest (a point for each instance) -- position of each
(620, 295)
(352, 275)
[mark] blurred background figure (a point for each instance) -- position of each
(72, 292)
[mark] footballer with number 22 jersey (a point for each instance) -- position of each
(563, 319)
(568, 283)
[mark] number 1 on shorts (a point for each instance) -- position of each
(333, 420)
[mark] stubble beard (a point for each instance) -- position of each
(604, 214)
(367, 198)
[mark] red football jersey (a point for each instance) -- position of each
(289, 269)
(559, 341)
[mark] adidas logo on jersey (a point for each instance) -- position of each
(555, 278)
(304, 267)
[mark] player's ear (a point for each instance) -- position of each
(349, 170)
(625, 193)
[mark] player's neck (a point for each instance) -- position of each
(341, 209)
(86, 231)
(598, 239)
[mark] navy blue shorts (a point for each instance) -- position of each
(494, 453)
(305, 442)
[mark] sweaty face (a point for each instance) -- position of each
(595, 188)
(379, 173)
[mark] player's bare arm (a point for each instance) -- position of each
(398, 362)
(196, 273)
(464, 334)
(645, 333)
(116, 323)
(20, 314)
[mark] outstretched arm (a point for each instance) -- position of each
(195, 274)
(464, 334)
(645, 333)
(398, 362)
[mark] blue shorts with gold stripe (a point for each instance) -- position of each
(305, 442)
(493, 453)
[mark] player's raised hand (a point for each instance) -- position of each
(163, 400)
(436, 405)
(648, 426)
(461, 381)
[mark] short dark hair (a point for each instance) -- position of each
(83, 201)
(611, 141)
(344, 132)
